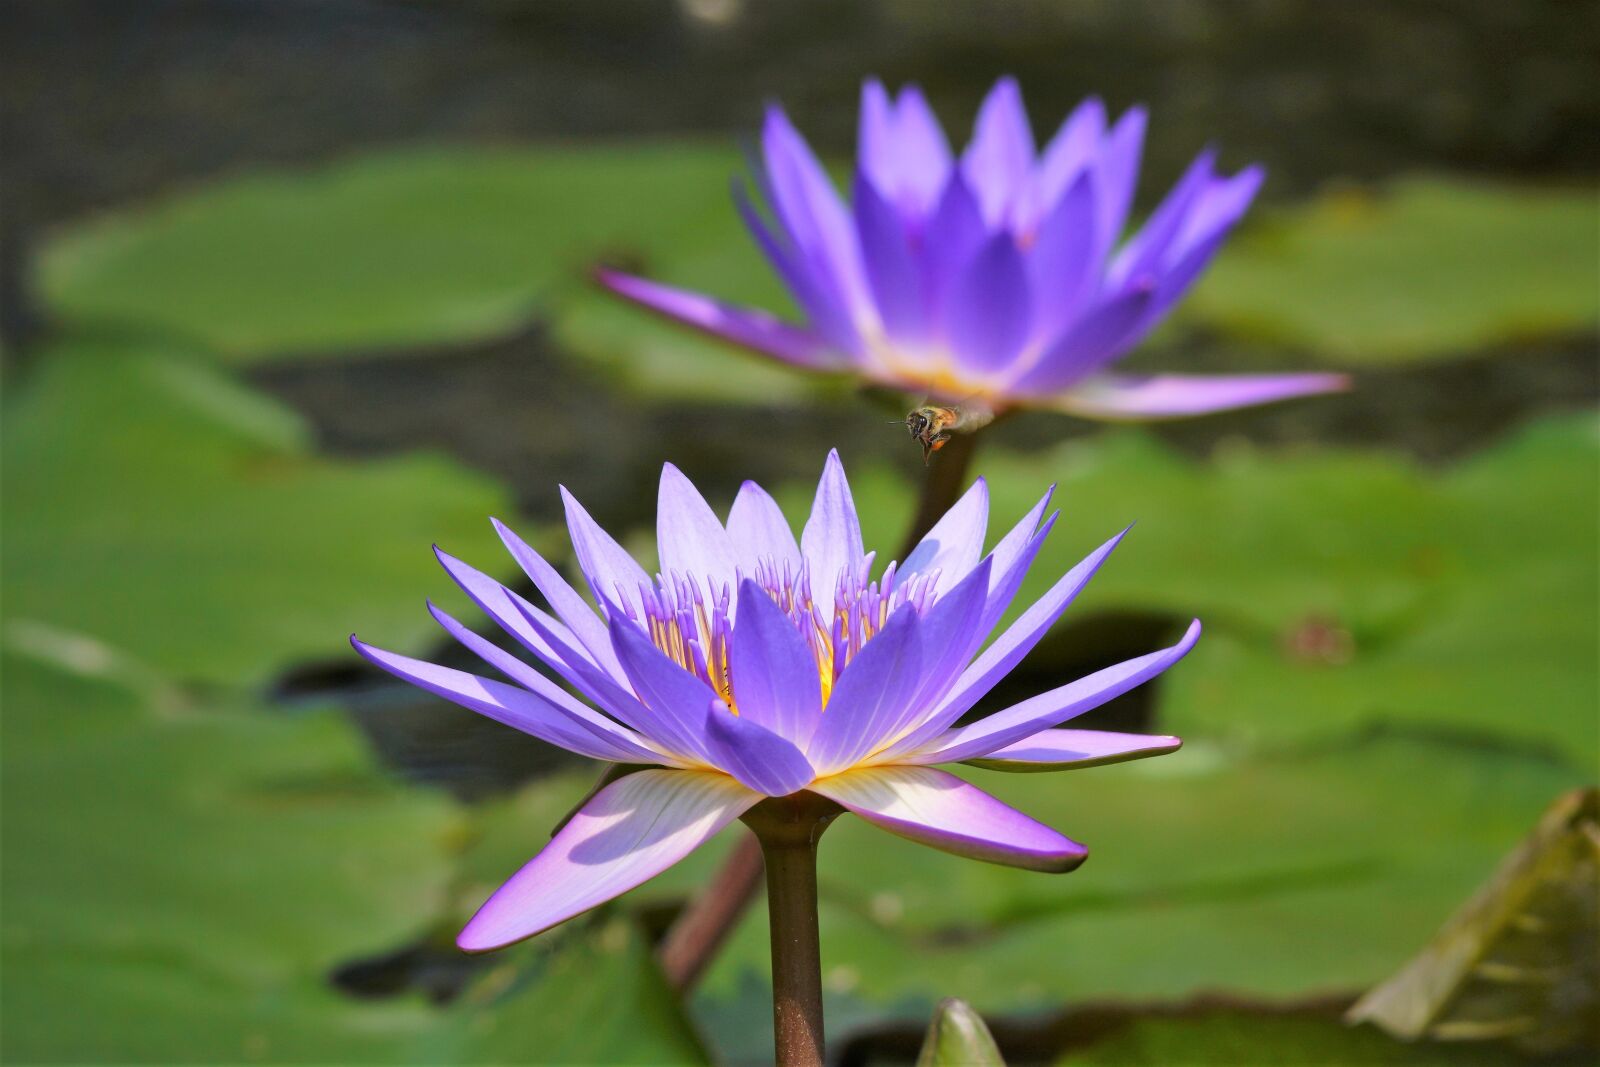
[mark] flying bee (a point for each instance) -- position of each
(932, 424)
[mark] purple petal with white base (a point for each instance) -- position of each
(631, 831)
(1059, 750)
(1130, 398)
(1005, 278)
(936, 808)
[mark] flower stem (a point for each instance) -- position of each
(788, 829)
(947, 476)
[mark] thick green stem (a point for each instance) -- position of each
(788, 829)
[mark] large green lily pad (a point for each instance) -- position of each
(433, 246)
(153, 505)
(1427, 268)
(1262, 878)
(1340, 589)
(180, 879)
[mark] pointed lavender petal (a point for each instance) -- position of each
(627, 742)
(676, 699)
(757, 757)
(771, 669)
(948, 635)
(993, 733)
(999, 160)
(820, 300)
(1221, 205)
(954, 545)
(1069, 154)
(614, 576)
(811, 210)
(1172, 396)
(1117, 173)
(877, 136)
(516, 708)
(1064, 750)
(505, 607)
(1007, 650)
(690, 539)
(923, 153)
(953, 235)
(746, 327)
(1089, 343)
(989, 314)
(626, 834)
(579, 617)
(831, 540)
(936, 808)
(759, 530)
(1064, 259)
(871, 696)
(890, 264)
(1145, 250)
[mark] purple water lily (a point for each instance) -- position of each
(999, 278)
(757, 666)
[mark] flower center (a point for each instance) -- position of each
(694, 626)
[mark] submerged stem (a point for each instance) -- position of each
(788, 829)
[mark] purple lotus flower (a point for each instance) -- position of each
(1000, 278)
(757, 666)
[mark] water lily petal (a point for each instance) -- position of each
(831, 540)
(1116, 175)
(506, 607)
(996, 731)
(614, 576)
(627, 833)
(923, 152)
(747, 327)
(954, 545)
(871, 696)
(637, 748)
(1007, 650)
(989, 313)
(1145, 250)
(771, 669)
(949, 634)
(689, 537)
(809, 205)
(516, 708)
(953, 235)
(677, 699)
(759, 531)
(1003, 586)
(936, 808)
(1068, 155)
(579, 617)
(1170, 396)
(999, 159)
(1089, 343)
(1220, 205)
(753, 754)
(891, 265)
(1061, 750)
(820, 299)
(1065, 257)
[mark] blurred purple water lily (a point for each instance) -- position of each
(756, 666)
(998, 278)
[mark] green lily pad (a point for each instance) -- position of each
(598, 998)
(1263, 878)
(153, 505)
(1233, 1038)
(1340, 588)
(1428, 268)
(436, 246)
(179, 880)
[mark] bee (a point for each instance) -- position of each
(932, 424)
